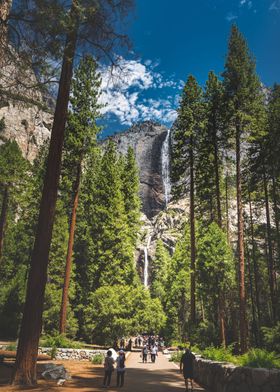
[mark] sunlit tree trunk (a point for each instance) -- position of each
(271, 267)
(192, 231)
(255, 265)
(27, 352)
(68, 267)
(241, 258)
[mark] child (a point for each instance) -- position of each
(109, 368)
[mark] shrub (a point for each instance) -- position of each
(176, 356)
(258, 358)
(220, 354)
(59, 341)
(97, 359)
(271, 337)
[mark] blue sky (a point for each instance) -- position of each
(174, 38)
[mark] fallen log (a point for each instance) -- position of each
(12, 355)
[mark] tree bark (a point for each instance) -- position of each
(276, 216)
(192, 230)
(68, 266)
(221, 300)
(254, 323)
(27, 352)
(241, 258)
(227, 208)
(271, 267)
(255, 265)
(3, 218)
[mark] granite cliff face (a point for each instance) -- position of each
(147, 140)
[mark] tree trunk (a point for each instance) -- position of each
(68, 266)
(192, 230)
(276, 216)
(221, 317)
(217, 179)
(221, 301)
(27, 352)
(271, 268)
(241, 259)
(255, 265)
(3, 218)
(254, 323)
(227, 208)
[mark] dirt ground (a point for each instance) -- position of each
(161, 376)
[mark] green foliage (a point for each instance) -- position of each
(121, 310)
(176, 356)
(97, 359)
(159, 271)
(220, 354)
(59, 341)
(271, 337)
(258, 358)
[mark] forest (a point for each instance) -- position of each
(219, 288)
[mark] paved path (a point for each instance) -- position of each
(161, 376)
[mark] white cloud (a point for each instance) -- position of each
(249, 3)
(275, 6)
(122, 92)
(230, 17)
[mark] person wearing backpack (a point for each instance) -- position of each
(120, 368)
(109, 368)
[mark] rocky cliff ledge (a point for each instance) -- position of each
(147, 140)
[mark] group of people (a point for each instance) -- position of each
(149, 340)
(152, 350)
(109, 367)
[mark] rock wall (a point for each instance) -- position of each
(28, 124)
(72, 353)
(146, 139)
(223, 377)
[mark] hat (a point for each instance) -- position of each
(121, 352)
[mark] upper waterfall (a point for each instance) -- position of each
(165, 167)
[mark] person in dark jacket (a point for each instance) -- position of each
(186, 367)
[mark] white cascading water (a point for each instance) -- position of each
(146, 262)
(165, 168)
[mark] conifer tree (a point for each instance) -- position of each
(13, 169)
(130, 189)
(243, 99)
(190, 117)
(80, 140)
(159, 271)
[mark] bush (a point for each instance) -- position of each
(11, 347)
(271, 337)
(59, 341)
(97, 359)
(258, 358)
(176, 356)
(220, 354)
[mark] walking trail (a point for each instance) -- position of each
(161, 376)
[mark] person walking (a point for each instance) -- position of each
(120, 368)
(109, 368)
(153, 353)
(145, 354)
(186, 367)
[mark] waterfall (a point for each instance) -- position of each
(165, 168)
(146, 261)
